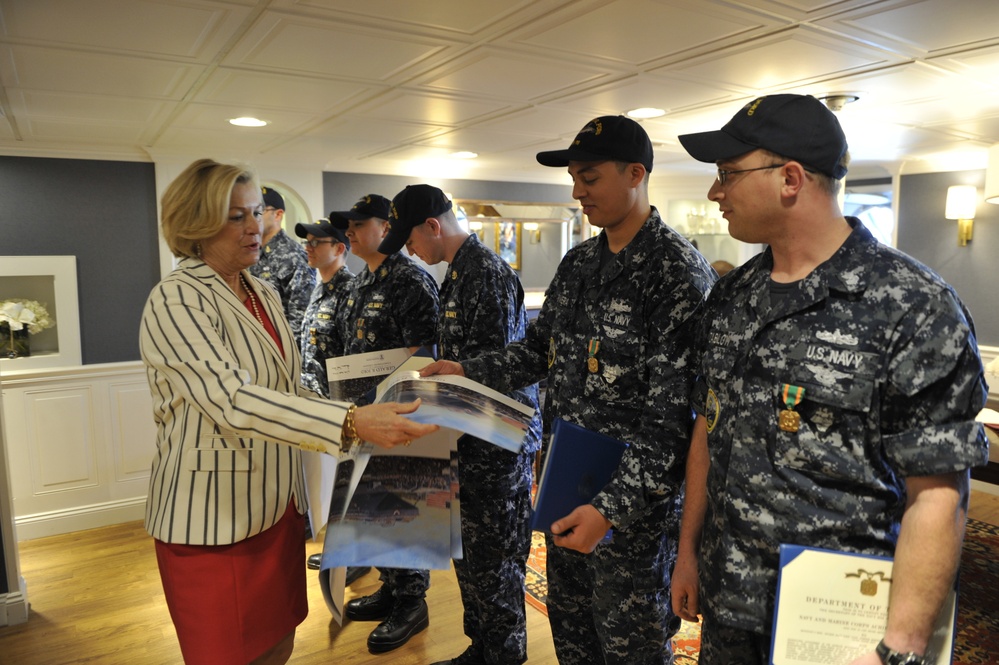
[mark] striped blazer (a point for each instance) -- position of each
(230, 414)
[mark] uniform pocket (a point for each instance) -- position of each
(226, 460)
(619, 367)
(832, 421)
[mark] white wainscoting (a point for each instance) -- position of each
(989, 354)
(14, 602)
(80, 441)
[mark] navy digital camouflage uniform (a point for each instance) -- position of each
(482, 309)
(322, 334)
(612, 606)
(892, 379)
(395, 306)
(284, 265)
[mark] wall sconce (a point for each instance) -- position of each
(992, 176)
(474, 225)
(961, 203)
(535, 230)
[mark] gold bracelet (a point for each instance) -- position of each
(348, 433)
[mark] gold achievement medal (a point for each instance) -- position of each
(789, 419)
(591, 362)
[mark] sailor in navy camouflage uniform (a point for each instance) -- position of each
(482, 309)
(613, 340)
(322, 334)
(283, 263)
(392, 304)
(840, 382)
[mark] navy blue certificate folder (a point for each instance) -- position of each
(579, 464)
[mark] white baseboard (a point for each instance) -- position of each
(79, 518)
(14, 606)
(981, 486)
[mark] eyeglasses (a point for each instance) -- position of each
(316, 243)
(723, 174)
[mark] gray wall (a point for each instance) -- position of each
(924, 234)
(104, 214)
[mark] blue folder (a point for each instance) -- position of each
(579, 464)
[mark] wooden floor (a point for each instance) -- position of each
(96, 598)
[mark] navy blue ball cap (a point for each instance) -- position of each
(410, 208)
(272, 199)
(372, 205)
(609, 137)
(323, 228)
(796, 126)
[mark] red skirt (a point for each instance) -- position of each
(231, 603)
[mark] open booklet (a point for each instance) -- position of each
(458, 403)
(399, 507)
(351, 379)
(832, 607)
(394, 508)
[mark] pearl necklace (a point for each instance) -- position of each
(252, 298)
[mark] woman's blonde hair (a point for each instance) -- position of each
(196, 204)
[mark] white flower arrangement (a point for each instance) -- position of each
(18, 313)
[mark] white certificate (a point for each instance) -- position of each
(832, 607)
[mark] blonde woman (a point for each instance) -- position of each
(226, 495)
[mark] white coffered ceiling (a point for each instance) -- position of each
(396, 86)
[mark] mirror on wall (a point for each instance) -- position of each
(871, 202)
(701, 223)
(531, 237)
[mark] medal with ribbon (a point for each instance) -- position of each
(591, 362)
(789, 419)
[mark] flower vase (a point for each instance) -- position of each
(14, 343)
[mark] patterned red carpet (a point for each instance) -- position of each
(977, 638)
(537, 585)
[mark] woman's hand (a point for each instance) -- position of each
(443, 367)
(384, 425)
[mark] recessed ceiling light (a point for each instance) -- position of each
(247, 122)
(464, 154)
(835, 101)
(646, 112)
